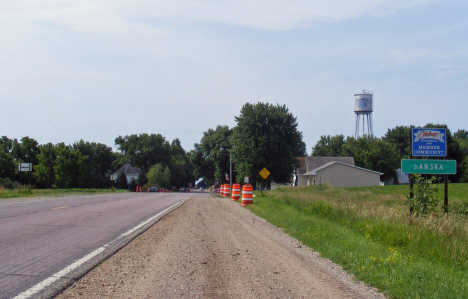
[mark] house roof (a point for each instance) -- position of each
(309, 163)
(128, 170)
(314, 171)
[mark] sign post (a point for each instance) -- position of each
(429, 142)
(25, 167)
(264, 173)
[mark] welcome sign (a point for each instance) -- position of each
(429, 142)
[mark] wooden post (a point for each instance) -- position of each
(411, 194)
(446, 193)
(411, 178)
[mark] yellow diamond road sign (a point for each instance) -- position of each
(264, 173)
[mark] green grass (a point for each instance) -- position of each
(369, 233)
(26, 192)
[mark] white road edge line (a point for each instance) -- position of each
(65, 271)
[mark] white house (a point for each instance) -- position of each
(307, 164)
(130, 172)
(340, 174)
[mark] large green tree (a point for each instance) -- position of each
(454, 151)
(461, 134)
(25, 151)
(44, 170)
(143, 151)
(461, 137)
(70, 167)
(400, 136)
(99, 164)
(209, 160)
(179, 165)
(266, 136)
(159, 176)
(201, 166)
(7, 165)
(6, 144)
(329, 146)
(374, 154)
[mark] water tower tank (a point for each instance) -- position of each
(363, 107)
(363, 103)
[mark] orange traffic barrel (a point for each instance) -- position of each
(223, 190)
(236, 191)
(247, 195)
(227, 190)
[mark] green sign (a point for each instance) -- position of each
(429, 166)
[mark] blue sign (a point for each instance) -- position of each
(429, 142)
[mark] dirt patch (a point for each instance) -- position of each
(214, 248)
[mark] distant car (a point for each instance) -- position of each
(163, 190)
(182, 189)
(153, 189)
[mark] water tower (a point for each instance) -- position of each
(363, 107)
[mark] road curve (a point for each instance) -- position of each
(46, 244)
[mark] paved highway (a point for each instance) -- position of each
(45, 244)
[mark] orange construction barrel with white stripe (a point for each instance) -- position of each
(224, 190)
(247, 195)
(227, 190)
(236, 191)
(221, 190)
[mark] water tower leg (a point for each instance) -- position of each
(363, 121)
(368, 126)
(356, 130)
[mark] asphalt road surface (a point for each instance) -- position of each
(45, 244)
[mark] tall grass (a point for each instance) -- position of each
(370, 233)
(25, 191)
(21, 191)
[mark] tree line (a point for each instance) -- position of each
(89, 164)
(385, 154)
(265, 136)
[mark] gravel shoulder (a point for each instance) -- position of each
(214, 248)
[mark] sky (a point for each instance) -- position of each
(96, 70)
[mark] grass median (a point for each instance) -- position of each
(368, 231)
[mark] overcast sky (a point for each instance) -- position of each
(94, 70)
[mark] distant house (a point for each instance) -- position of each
(130, 172)
(338, 171)
(402, 179)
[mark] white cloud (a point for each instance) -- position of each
(81, 16)
(181, 67)
(268, 14)
(121, 16)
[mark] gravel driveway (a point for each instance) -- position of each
(213, 248)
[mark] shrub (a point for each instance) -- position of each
(424, 202)
(8, 184)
